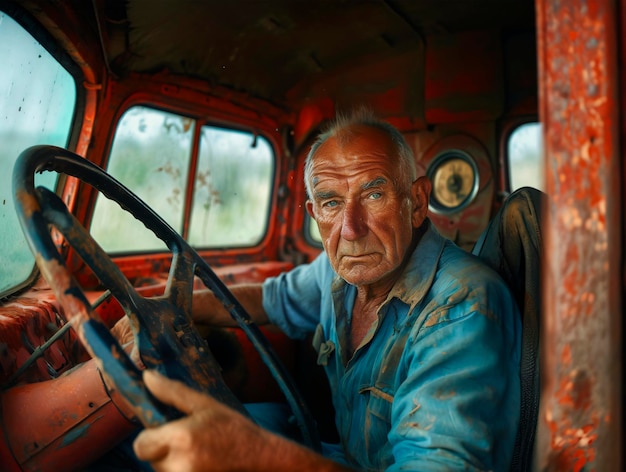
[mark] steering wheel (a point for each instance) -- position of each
(165, 335)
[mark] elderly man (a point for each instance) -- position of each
(420, 340)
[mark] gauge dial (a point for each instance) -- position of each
(455, 182)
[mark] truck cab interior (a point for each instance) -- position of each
(149, 148)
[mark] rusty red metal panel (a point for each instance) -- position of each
(80, 422)
(463, 83)
(580, 418)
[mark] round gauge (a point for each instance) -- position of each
(455, 180)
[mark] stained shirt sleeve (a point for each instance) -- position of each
(458, 408)
(293, 300)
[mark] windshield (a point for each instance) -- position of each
(37, 101)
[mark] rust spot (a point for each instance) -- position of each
(415, 408)
(572, 447)
(445, 395)
(566, 355)
(29, 203)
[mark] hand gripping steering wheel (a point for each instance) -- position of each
(164, 332)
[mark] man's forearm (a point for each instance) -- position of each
(286, 456)
(208, 310)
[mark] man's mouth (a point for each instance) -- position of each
(355, 256)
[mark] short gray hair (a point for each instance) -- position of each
(364, 117)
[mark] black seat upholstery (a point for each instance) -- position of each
(512, 245)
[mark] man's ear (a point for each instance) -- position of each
(420, 193)
(309, 208)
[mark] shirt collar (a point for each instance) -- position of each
(418, 276)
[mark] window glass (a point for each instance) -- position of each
(150, 155)
(37, 102)
(525, 152)
(232, 189)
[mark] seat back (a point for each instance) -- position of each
(512, 245)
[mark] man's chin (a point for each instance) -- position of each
(359, 275)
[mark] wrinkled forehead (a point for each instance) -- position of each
(358, 152)
(359, 144)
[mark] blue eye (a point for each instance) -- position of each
(330, 203)
(375, 195)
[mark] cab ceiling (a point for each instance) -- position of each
(276, 49)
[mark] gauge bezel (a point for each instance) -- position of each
(434, 203)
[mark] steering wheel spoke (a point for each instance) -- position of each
(180, 283)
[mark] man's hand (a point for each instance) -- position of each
(211, 437)
(124, 335)
(214, 437)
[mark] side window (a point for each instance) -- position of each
(232, 189)
(152, 154)
(37, 103)
(525, 157)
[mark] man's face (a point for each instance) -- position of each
(365, 209)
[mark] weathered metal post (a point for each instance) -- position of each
(580, 422)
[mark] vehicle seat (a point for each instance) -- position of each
(512, 245)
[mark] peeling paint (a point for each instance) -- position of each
(76, 433)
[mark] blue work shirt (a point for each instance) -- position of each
(435, 384)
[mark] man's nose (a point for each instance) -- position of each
(354, 224)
